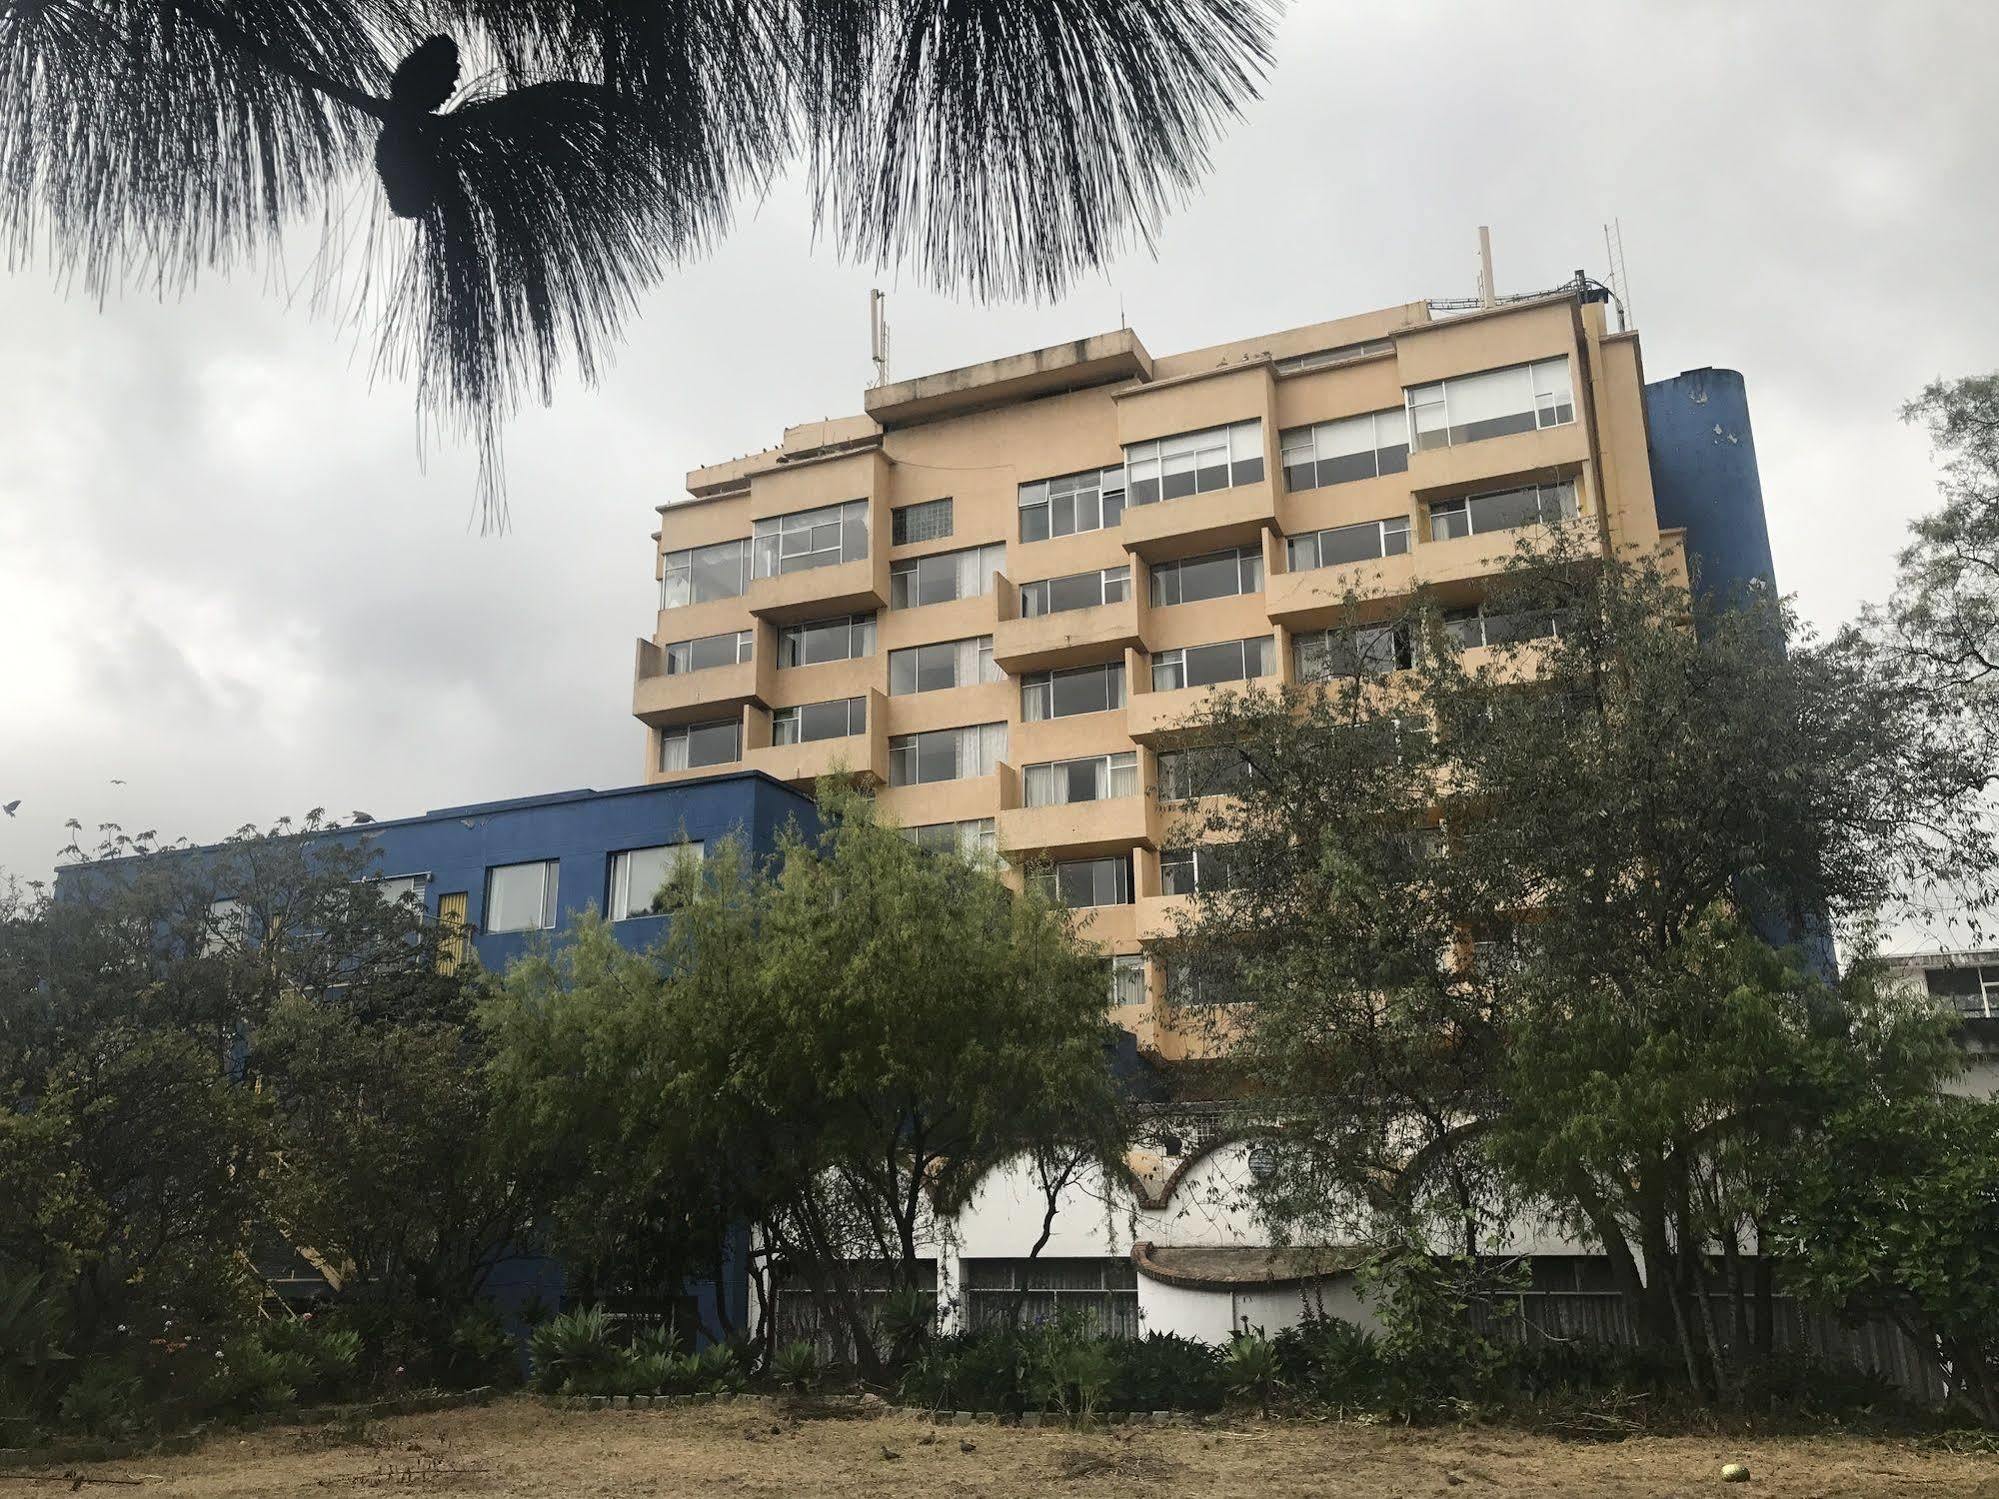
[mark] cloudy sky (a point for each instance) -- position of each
(229, 578)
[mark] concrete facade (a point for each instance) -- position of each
(984, 438)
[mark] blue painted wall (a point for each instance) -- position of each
(1704, 476)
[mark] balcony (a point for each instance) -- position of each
(692, 696)
(1159, 916)
(1437, 472)
(857, 587)
(862, 756)
(1078, 829)
(1318, 597)
(1197, 523)
(1465, 559)
(1074, 637)
(1170, 718)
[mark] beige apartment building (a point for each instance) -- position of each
(997, 594)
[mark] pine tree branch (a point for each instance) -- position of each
(233, 35)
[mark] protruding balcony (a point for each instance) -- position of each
(1192, 524)
(1464, 466)
(1080, 829)
(1318, 597)
(1071, 637)
(857, 587)
(862, 756)
(1174, 717)
(659, 699)
(1159, 916)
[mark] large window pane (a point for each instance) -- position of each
(638, 873)
(807, 539)
(1493, 403)
(521, 897)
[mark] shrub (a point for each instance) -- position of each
(717, 1368)
(1066, 1366)
(1250, 1367)
(104, 1401)
(1164, 1371)
(1800, 1382)
(482, 1350)
(907, 1319)
(318, 1359)
(249, 1377)
(795, 1367)
(1331, 1361)
(968, 1371)
(573, 1352)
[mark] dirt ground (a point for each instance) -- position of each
(520, 1448)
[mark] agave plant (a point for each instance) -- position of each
(795, 1367)
(573, 1349)
(1001, 146)
(1251, 1368)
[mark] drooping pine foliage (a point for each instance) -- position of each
(998, 146)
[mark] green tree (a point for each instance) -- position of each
(1899, 1214)
(1002, 146)
(1945, 613)
(839, 1046)
(1495, 915)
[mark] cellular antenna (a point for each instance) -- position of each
(878, 334)
(1488, 294)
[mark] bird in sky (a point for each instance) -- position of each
(116, 781)
(10, 806)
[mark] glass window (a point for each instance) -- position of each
(1366, 650)
(1206, 665)
(701, 574)
(976, 839)
(638, 873)
(946, 754)
(1360, 543)
(1205, 770)
(1127, 979)
(847, 637)
(807, 539)
(707, 651)
(1971, 991)
(1090, 501)
(1319, 358)
(1468, 408)
(1094, 778)
(521, 897)
(1063, 694)
(1503, 510)
(687, 745)
(929, 521)
(1471, 628)
(1183, 871)
(1218, 575)
(944, 577)
(808, 722)
(1168, 468)
(392, 888)
(946, 663)
(1077, 591)
(1355, 447)
(1079, 883)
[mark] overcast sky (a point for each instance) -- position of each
(227, 579)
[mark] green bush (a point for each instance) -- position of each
(1801, 1383)
(248, 1378)
(105, 1401)
(1250, 1368)
(795, 1367)
(574, 1352)
(1329, 1361)
(320, 1360)
(483, 1352)
(1164, 1371)
(1066, 1366)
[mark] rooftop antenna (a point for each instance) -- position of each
(1488, 294)
(878, 334)
(1613, 250)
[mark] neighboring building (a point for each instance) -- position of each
(1968, 982)
(999, 593)
(517, 871)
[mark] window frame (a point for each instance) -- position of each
(1044, 683)
(991, 752)
(1039, 501)
(792, 717)
(1401, 654)
(684, 568)
(1174, 660)
(1544, 409)
(1113, 587)
(744, 646)
(1109, 773)
(791, 638)
(984, 670)
(770, 552)
(1329, 468)
(1170, 577)
(1175, 462)
(684, 733)
(1049, 879)
(1566, 506)
(618, 894)
(551, 876)
(1386, 529)
(901, 575)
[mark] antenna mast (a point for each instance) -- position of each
(1613, 252)
(1488, 294)
(878, 334)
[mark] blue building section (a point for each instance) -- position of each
(450, 855)
(1704, 477)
